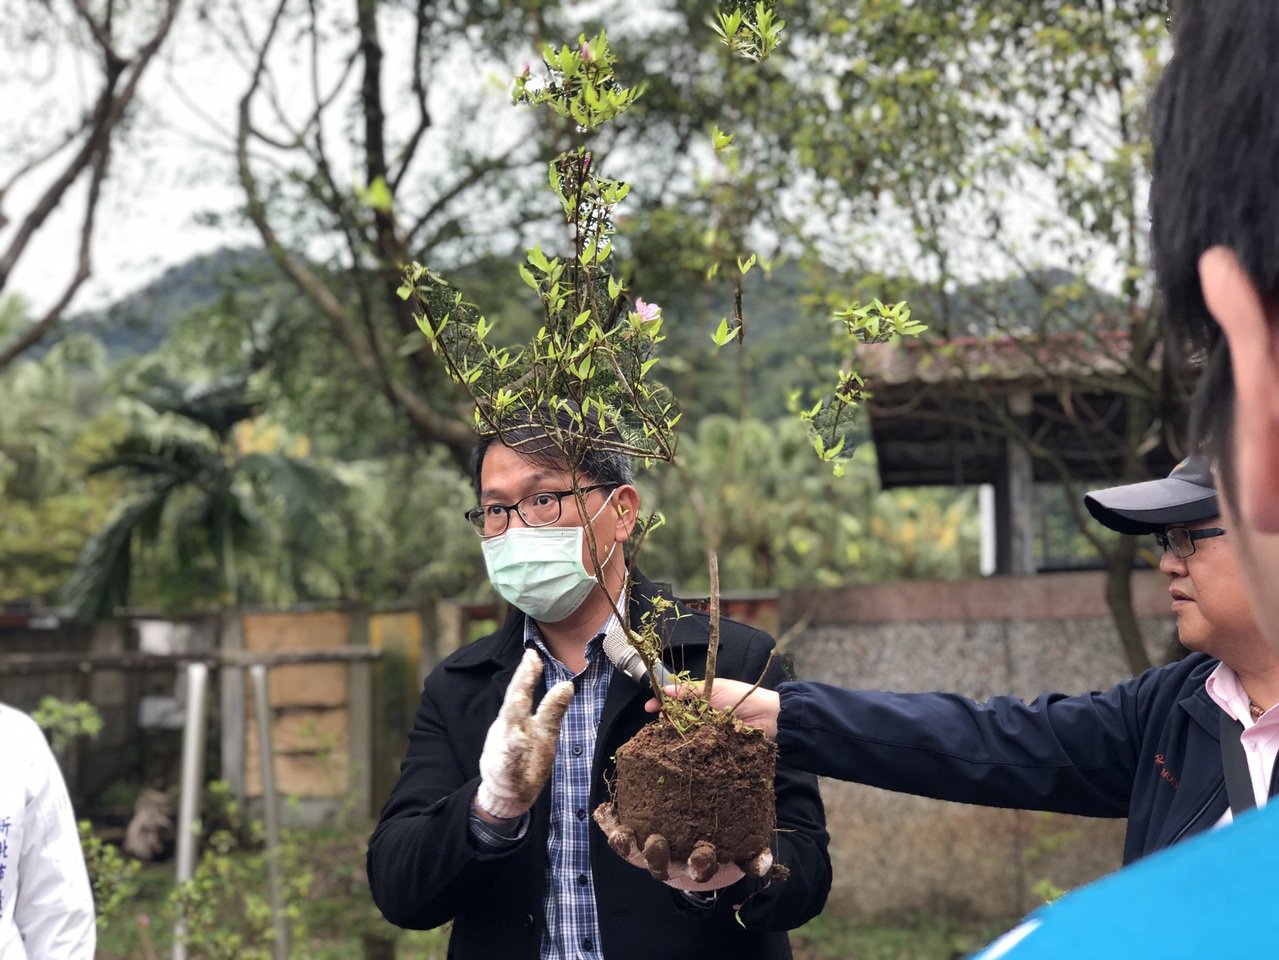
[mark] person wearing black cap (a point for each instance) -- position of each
(1148, 749)
(1186, 495)
(1208, 590)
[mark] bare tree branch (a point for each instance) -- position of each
(409, 150)
(108, 112)
(473, 176)
(39, 160)
(453, 432)
(36, 331)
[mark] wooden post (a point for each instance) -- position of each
(360, 716)
(450, 630)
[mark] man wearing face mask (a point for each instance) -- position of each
(490, 824)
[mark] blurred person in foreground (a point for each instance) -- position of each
(46, 904)
(490, 824)
(1214, 208)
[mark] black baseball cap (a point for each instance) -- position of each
(1187, 494)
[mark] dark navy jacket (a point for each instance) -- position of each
(1147, 749)
(424, 871)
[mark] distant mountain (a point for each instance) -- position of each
(787, 330)
(139, 322)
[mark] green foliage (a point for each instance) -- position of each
(1048, 835)
(65, 722)
(912, 148)
(57, 414)
(587, 370)
(224, 907)
(831, 419)
(580, 84)
(113, 877)
(750, 30)
(781, 524)
(330, 911)
(924, 936)
(1047, 891)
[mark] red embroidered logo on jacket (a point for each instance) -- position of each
(1165, 772)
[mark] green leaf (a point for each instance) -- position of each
(424, 324)
(376, 195)
(723, 334)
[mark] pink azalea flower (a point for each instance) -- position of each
(647, 312)
(586, 52)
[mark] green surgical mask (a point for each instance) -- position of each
(539, 569)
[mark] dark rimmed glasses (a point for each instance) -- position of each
(1181, 540)
(539, 509)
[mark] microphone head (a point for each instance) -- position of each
(616, 645)
(623, 655)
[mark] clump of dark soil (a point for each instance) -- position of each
(712, 783)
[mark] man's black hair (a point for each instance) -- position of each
(1215, 127)
(555, 441)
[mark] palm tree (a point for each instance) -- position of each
(192, 486)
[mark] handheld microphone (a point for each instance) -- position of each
(623, 655)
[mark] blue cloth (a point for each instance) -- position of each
(1212, 896)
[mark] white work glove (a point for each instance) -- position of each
(520, 747)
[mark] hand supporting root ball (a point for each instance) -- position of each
(702, 871)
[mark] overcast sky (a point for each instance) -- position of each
(173, 168)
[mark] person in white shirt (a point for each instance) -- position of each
(46, 903)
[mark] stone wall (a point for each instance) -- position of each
(894, 854)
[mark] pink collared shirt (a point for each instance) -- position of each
(1260, 737)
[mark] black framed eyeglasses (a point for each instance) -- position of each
(539, 509)
(1181, 540)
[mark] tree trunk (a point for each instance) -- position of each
(1119, 600)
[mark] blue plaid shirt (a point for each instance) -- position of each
(572, 924)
